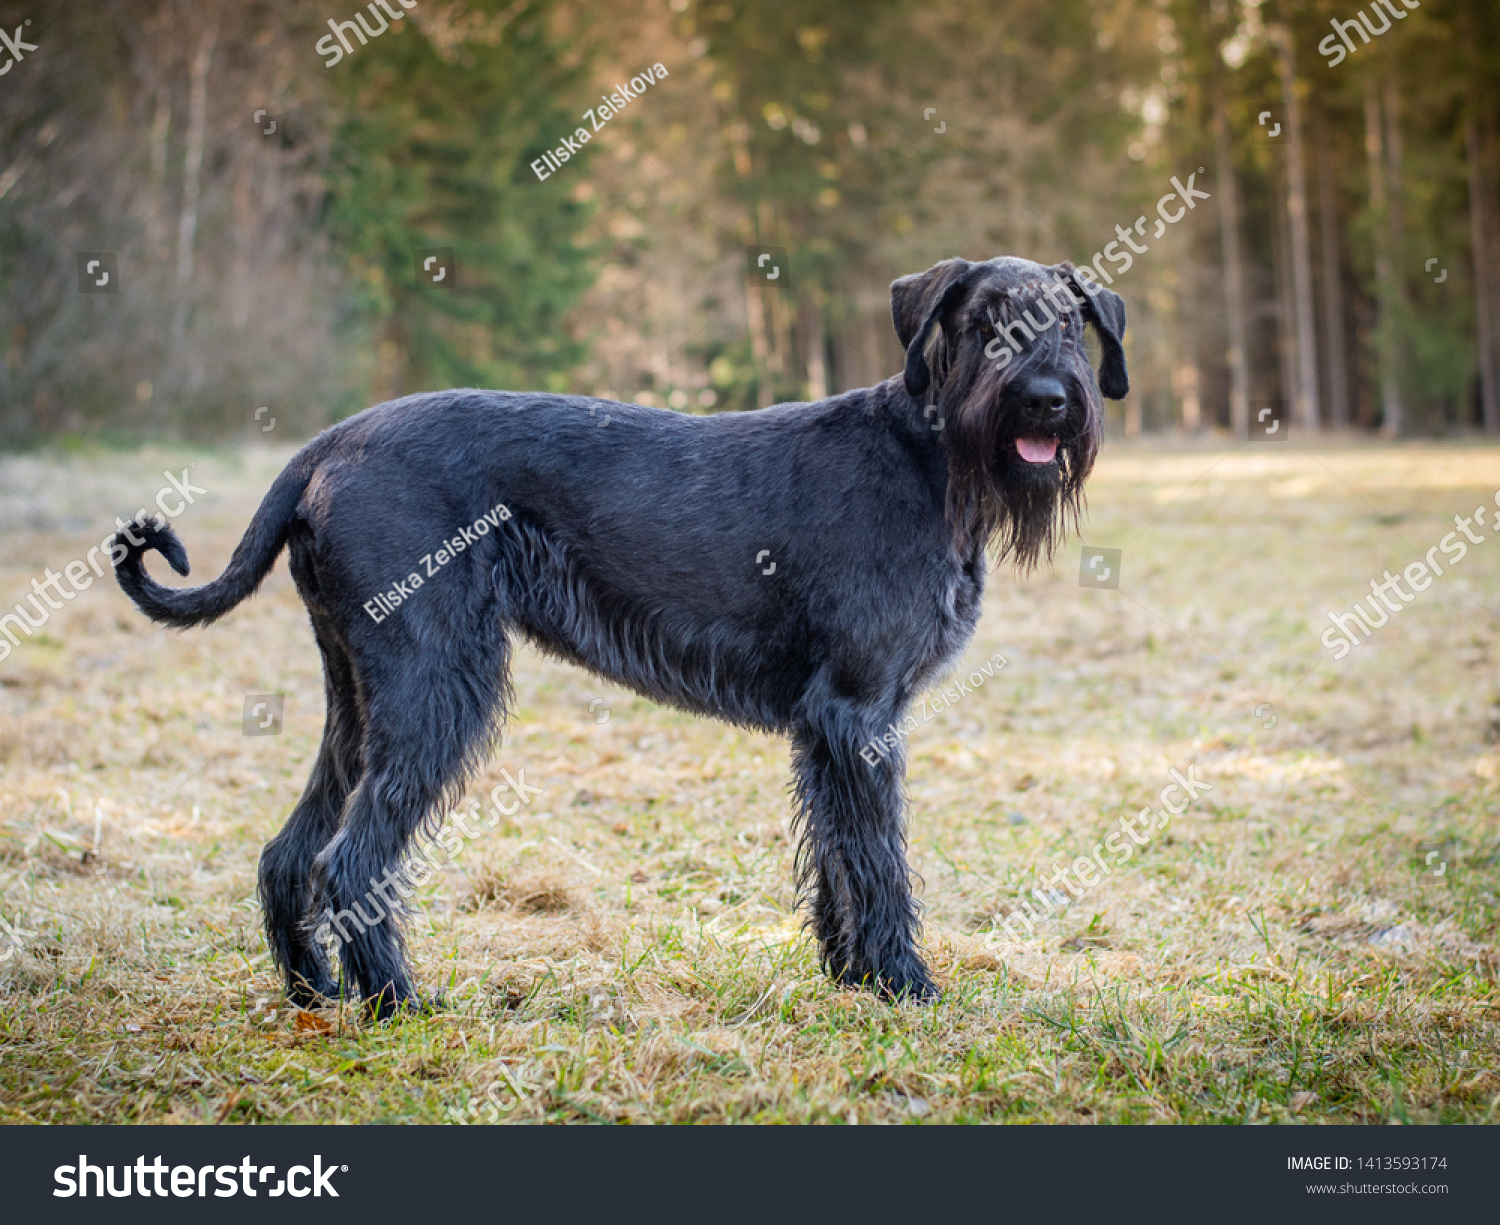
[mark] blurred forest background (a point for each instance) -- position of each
(1346, 264)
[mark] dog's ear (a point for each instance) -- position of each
(917, 302)
(913, 297)
(1105, 309)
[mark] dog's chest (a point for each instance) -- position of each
(958, 599)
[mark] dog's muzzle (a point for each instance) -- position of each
(1044, 406)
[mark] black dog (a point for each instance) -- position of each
(643, 551)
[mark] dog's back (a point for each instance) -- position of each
(710, 562)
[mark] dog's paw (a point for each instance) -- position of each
(897, 984)
(911, 989)
(312, 995)
(391, 1005)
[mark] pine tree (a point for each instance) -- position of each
(442, 126)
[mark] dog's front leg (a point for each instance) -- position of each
(852, 859)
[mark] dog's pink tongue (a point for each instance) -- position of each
(1036, 450)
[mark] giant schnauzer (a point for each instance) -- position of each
(640, 552)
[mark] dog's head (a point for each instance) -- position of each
(998, 347)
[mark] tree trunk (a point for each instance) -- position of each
(1385, 357)
(242, 278)
(813, 344)
(781, 356)
(1307, 412)
(1392, 101)
(1286, 312)
(192, 167)
(874, 327)
(755, 314)
(1396, 214)
(1185, 375)
(156, 215)
(759, 310)
(1483, 308)
(1333, 290)
(1491, 222)
(192, 159)
(777, 319)
(1234, 274)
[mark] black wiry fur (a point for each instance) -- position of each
(638, 551)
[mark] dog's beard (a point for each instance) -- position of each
(1004, 490)
(1034, 511)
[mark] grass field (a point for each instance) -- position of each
(1315, 939)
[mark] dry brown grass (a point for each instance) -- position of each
(626, 948)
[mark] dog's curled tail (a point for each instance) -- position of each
(252, 560)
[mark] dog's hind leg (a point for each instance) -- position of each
(430, 713)
(853, 849)
(286, 895)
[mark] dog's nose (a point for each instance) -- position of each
(1044, 399)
